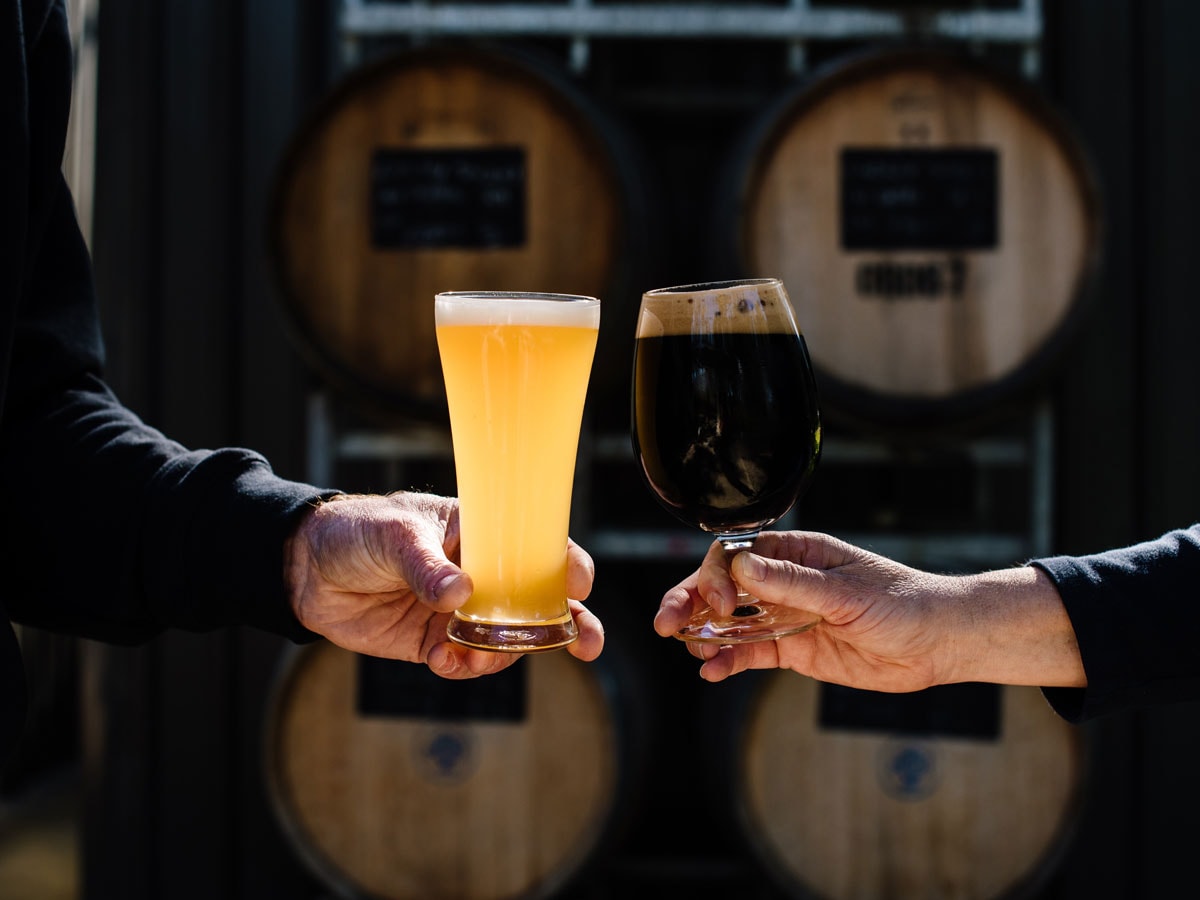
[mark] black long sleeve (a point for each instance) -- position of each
(1136, 615)
(107, 528)
(111, 529)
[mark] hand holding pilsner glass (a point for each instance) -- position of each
(516, 367)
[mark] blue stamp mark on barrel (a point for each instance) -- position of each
(445, 754)
(908, 769)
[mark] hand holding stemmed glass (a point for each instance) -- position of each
(726, 425)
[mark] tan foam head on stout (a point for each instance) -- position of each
(759, 306)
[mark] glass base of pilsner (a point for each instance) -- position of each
(751, 621)
(512, 637)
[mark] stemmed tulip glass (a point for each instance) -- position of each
(726, 425)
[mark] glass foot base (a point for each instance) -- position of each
(512, 637)
(752, 621)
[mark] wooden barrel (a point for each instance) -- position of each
(451, 167)
(964, 791)
(393, 784)
(935, 221)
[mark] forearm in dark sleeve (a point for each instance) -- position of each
(111, 529)
(123, 532)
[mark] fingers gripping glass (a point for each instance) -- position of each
(726, 425)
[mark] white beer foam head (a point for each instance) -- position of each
(756, 305)
(515, 308)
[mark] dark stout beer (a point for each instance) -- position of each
(726, 422)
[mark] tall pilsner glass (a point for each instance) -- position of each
(726, 425)
(516, 367)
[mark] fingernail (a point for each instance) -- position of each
(442, 660)
(753, 567)
(445, 586)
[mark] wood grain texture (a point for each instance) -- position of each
(925, 346)
(412, 807)
(842, 813)
(365, 313)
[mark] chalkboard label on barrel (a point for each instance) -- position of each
(970, 711)
(398, 689)
(918, 199)
(448, 197)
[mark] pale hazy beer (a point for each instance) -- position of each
(516, 367)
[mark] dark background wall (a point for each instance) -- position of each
(1126, 74)
(198, 99)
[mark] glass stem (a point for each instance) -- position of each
(735, 544)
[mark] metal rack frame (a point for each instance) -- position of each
(582, 21)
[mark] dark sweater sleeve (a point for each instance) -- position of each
(1136, 615)
(121, 533)
(110, 529)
